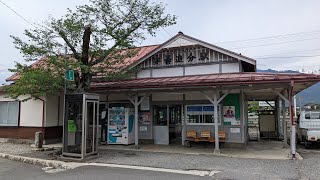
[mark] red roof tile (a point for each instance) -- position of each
(142, 51)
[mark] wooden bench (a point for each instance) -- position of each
(205, 136)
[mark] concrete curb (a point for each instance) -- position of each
(42, 162)
(309, 151)
(298, 156)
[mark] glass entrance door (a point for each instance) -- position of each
(167, 124)
(160, 124)
(91, 127)
(175, 128)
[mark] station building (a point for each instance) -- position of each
(185, 90)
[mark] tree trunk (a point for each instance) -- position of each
(84, 80)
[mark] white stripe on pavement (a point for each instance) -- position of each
(186, 172)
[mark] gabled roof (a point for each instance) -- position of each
(200, 42)
(145, 52)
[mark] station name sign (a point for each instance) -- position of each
(184, 56)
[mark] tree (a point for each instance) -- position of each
(253, 106)
(97, 38)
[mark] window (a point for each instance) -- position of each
(201, 114)
(312, 115)
(307, 115)
(9, 113)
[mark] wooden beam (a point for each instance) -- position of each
(223, 96)
(282, 96)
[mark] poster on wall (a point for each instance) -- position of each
(145, 118)
(229, 116)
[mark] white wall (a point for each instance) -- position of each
(31, 112)
(144, 73)
(230, 67)
(61, 110)
(52, 111)
(167, 72)
(203, 69)
(117, 97)
(167, 97)
(196, 96)
(189, 70)
(180, 42)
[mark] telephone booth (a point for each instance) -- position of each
(80, 127)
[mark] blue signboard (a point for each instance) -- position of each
(200, 108)
(208, 108)
(194, 108)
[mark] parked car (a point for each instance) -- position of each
(308, 128)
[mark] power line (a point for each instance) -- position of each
(284, 42)
(17, 14)
(306, 50)
(167, 32)
(275, 57)
(272, 37)
(170, 35)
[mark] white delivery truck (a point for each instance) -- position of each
(308, 128)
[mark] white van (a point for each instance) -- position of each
(308, 128)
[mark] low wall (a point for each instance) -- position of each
(29, 132)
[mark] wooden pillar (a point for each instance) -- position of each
(292, 124)
(216, 123)
(136, 104)
(184, 120)
(136, 118)
(284, 123)
(215, 103)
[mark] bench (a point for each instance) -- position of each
(205, 136)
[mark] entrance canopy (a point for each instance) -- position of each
(250, 85)
(257, 86)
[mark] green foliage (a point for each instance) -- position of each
(94, 36)
(38, 82)
(253, 106)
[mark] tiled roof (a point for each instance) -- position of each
(225, 79)
(142, 51)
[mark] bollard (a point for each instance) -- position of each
(38, 140)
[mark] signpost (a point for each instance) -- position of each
(70, 75)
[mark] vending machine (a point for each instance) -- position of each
(120, 125)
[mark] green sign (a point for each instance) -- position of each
(72, 127)
(70, 75)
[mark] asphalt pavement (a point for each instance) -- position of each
(12, 170)
(226, 167)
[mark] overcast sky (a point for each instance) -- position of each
(295, 24)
